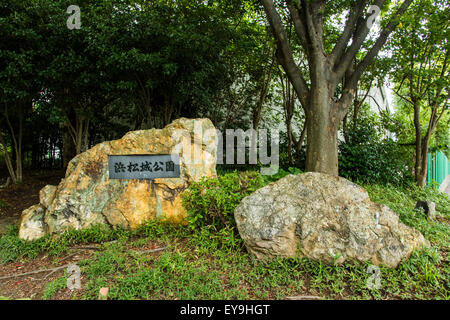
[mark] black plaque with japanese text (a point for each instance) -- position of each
(141, 166)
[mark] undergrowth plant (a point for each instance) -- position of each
(211, 202)
(209, 260)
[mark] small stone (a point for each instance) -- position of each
(103, 293)
(432, 210)
(428, 207)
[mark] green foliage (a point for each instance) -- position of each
(211, 202)
(224, 195)
(134, 64)
(53, 287)
(419, 69)
(281, 174)
(207, 263)
(13, 248)
(368, 156)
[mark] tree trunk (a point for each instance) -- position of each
(323, 122)
(424, 145)
(421, 176)
(326, 71)
(322, 148)
(257, 111)
(16, 142)
(79, 133)
(299, 144)
(19, 158)
(68, 150)
(419, 171)
(8, 161)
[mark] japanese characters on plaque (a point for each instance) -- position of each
(144, 166)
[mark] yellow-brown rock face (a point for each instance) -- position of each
(86, 196)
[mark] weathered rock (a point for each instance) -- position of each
(47, 195)
(428, 207)
(86, 196)
(32, 224)
(325, 218)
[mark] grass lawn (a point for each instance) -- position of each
(202, 263)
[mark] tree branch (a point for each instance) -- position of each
(300, 28)
(355, 12)
(373, 52)
(358, 38)
(287, 60)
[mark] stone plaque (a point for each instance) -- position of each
(142, 166)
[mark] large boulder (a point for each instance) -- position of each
(325, 218)
(86, 196)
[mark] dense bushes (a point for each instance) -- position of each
(368, 155)
(211, 202)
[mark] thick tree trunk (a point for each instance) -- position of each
(323, 122)
(321, 147)
(421, 175)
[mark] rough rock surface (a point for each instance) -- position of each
(86, 196)
(325, 218)
(429, 208)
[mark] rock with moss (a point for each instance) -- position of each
(87, 197)
(325, 218)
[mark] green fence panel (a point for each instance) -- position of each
(438, 167)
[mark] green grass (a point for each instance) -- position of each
(209, 264)
(53, 287)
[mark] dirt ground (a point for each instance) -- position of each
(32, 286)
(19, 197)
(16, 199)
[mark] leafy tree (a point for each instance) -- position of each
(21, 53)
(421, 72)
(369, 155)
(335, 63)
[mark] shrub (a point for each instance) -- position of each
(281, 174)
(368, 156)
(211, 202)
